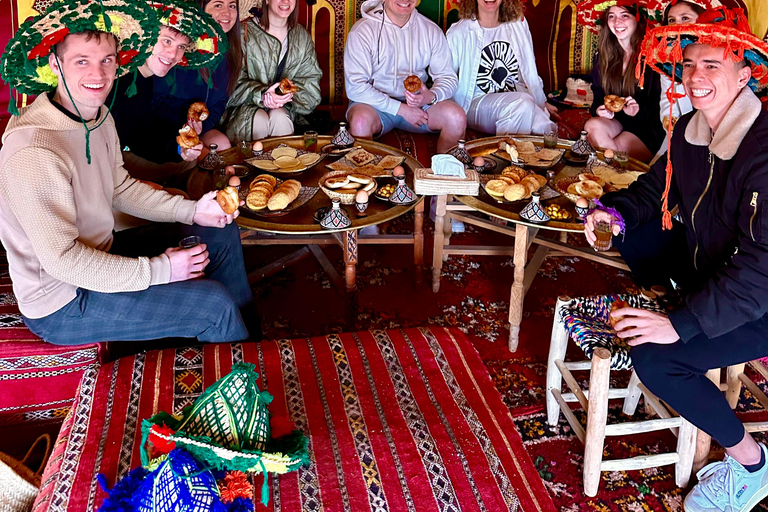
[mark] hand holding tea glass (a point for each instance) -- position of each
(188, 260)
(599, 228)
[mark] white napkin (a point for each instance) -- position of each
(447, 165)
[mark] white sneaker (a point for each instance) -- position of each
(727, 487)
(457, 226)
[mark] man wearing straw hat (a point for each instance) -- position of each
(716, 249)
(61, 175)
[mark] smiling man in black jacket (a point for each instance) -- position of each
(715, 251)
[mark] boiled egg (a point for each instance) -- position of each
(361, 196)
(398, 171)
(258, 146)
(608, 153)
(582, 202)
(234, 181)
(230, 169)
(478, 161)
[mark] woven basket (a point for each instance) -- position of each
(345, 198)
(426, 183)
(19, 485)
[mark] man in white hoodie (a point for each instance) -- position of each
(390, 43)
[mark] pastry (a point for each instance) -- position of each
(541, 179)
(390, 161)
(359, 178)
(265, 177)
(496, 188)
(257, 198)
(284, 195)
(588, 189)
(286, 87)
(198, 111)
(614, 103)
(187, 137)
(615, 306)
(515, 192)
(514, 172)
(228, 200)
(412, 84)
(360, 157)
(592, 177)
(531, 185)
(337, 182)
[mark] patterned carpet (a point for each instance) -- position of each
(474, 296)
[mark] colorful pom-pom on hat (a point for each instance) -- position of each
(24, 63)
(208, 42)
(228, 428)
(662, 50)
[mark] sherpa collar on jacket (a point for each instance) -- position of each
(732, 130)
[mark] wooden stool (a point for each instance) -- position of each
(734, 379)
(594, 401)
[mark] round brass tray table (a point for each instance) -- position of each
(298, 227)
(525, 233)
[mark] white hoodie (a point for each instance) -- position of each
(379, 55)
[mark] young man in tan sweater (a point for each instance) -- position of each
(61, 175)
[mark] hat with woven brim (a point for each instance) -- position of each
(208, 42)
(590, 12)
(228, 427)
(662, 50)
(24, 64)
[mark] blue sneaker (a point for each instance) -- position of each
(727, 487)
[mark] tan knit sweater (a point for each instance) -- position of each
(56, 217)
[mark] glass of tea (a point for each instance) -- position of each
(189, 242)
(603, 235)
(310, 141)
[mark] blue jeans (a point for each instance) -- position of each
(389, 122)
(205, 308)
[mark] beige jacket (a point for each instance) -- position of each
(56, 216)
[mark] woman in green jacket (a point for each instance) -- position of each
(274, 47)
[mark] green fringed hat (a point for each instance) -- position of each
(24, 64)
(208, 42)
(228, 427)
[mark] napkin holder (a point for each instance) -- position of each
(427, 183)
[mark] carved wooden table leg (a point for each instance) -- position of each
(350, 259)
(418, 241)
(522, 235)
(437, 249)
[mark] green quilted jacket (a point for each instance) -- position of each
(261, 53)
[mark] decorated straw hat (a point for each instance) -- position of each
(590, 12)
(657, 17)
(24, 64)
(228, 427)
(208, 42)
(662, 48)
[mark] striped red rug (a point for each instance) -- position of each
(401, 420)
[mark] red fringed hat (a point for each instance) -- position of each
(590, 12)
(662, 50)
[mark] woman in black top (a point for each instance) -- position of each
(637, 128)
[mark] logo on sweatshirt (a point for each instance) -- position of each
(499, 70)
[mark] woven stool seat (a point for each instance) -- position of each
(587, 322)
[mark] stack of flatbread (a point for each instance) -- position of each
(285, 159)
(264, 193)
(615, 178)
(514, 183)
(589, 186)
(361, 161)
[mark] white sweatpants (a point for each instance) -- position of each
(508, 112)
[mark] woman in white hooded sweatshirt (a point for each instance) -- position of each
(389, 43)
(499, 85)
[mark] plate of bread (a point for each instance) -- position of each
(516, 184)
(344, 185)
(591, 185)
(361, 161)
(267, 196)
(528, 154)
(285, 159)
